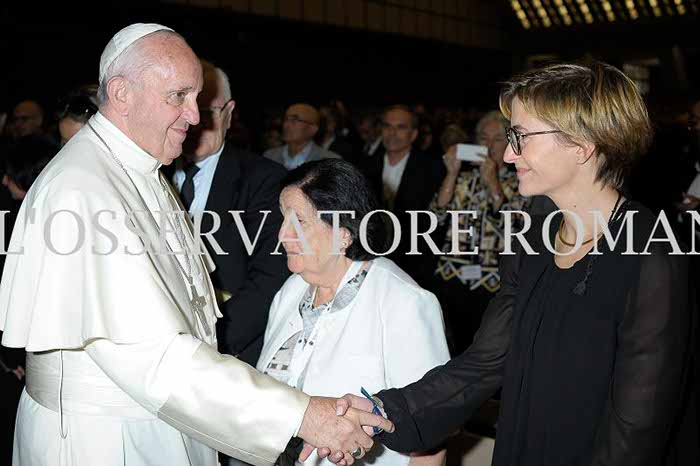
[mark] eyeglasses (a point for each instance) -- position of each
(515, 138)
(296, 119)
(212, 112)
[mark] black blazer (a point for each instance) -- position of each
(344, 148)
(248, 183)
(421, 179)
(619, 362)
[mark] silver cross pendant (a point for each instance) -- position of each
(197, 304)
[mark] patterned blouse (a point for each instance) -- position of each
(471, 193)
(278, 368)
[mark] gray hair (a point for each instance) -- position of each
(493, 115)
(130, 64)
(221, 77)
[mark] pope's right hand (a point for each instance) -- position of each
(323, 427)
(342, 406)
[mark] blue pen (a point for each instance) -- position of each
(376, 410)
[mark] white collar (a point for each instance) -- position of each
(401, 163)
(126, 150)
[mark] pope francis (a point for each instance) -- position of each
(115, 308)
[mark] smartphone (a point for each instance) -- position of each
(471, 153)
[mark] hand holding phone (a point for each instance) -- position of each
(472, 153)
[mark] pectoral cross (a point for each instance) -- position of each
(197, 304)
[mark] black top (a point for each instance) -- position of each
(592, 377)
(541, 397)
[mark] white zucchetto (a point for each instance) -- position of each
(123, 39)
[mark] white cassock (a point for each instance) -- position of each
(120, 369)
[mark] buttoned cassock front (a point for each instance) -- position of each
(120, 371)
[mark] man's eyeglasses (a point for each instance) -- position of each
(296, 119)
(515, 138)
(212, 112)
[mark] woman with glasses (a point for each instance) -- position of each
(75, 110)
(591, 350)
(465, 284)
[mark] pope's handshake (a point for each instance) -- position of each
(345, 438)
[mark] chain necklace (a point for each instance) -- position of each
(197, 302)
(561, 225)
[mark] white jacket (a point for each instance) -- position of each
(389, 336)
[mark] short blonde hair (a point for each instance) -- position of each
(593, 103)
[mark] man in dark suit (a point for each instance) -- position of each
(330, 136)
(214, 176)
(405, 180)
(371, 136)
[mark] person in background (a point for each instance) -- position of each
(272, 138)
(330, 136)
(426, 142)
(25, 160)
(452, 134)
(299, 127)
(466, 283)
(346, 318)
(371, 135)
(27, 119)
(405, 180)
(75, 111)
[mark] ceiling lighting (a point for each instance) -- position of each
(535, 14)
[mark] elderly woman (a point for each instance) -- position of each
(590, 349)
(465, 284)
(346, 319)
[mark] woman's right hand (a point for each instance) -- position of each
(452, 163)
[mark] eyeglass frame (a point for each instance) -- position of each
(210, 110)
(516, 142)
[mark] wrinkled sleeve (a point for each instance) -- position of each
(653, 345)
(428, 411)
(213, 398)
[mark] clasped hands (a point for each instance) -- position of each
(340, 428)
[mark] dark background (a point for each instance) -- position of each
(47, 49)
